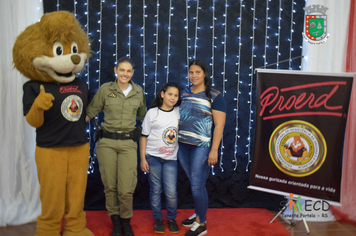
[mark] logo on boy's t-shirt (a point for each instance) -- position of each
(169, 136)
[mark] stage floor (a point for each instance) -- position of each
(316, 229)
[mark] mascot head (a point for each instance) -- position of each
(53, 49)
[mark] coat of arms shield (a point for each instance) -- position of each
(315, 24)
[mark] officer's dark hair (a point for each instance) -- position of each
(158, 99)
(125, 59)
(207, 82)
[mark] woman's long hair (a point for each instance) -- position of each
(207, 82)
(158, 99)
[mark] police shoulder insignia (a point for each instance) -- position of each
(112, 95)
(134, 111)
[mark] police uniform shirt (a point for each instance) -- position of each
(120, 111)
(64, 123)
(161, 129)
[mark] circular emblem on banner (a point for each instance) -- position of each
(72, 108)
(297, 148)
(169, 136)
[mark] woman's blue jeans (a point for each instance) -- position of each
(194, 160)
(163, 173)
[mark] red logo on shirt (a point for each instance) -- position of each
(69, 89)
(166, 150)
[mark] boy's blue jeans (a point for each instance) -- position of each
(194, 160)
(163, 175)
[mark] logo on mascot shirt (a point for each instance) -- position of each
(70, 89)
(72, 108)
(297, 148)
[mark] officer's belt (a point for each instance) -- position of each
(117, 135)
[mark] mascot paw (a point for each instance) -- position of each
(85, 232)
(44, 100)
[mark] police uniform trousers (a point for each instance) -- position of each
(118, 168)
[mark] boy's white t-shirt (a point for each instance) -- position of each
(161, 129)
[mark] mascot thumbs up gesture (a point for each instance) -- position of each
(49, 53)
(43, 102)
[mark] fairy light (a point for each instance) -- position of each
(75, 8)
(156, 42)
(144, 44)
(251, 84)
(40, 9)
(224, 81)
(301, 52)
(88, 35)
(237, 136)
(130, 25)
(169, 38)
(196, 30)
(187, 38)
(92, 157)
(213, 43)
(266, 34)
(212, 64)
(100, 43)
(115, 43)
(291, 35)
(279, 31)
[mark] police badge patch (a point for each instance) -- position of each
(72, 108)
(315, 24)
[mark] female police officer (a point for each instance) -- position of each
(121, 101)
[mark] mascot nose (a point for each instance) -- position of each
(75, 59)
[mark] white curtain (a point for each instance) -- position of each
(19, 188)
(331, 55)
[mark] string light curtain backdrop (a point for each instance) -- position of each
(233, 37)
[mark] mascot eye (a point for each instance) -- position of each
(74, 47)
(57, 49)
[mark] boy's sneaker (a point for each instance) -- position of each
(189, 222)
(173, 227)
(197, 230)
(158, 226)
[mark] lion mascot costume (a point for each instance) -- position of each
(49, 53)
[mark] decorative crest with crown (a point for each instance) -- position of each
(315, 9)
(315, 24)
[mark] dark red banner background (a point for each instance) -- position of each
(320, 100)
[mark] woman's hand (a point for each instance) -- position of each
(144, 166)
(213, 157)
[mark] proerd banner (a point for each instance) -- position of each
(300, 124)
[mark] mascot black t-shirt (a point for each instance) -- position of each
(64, 123)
